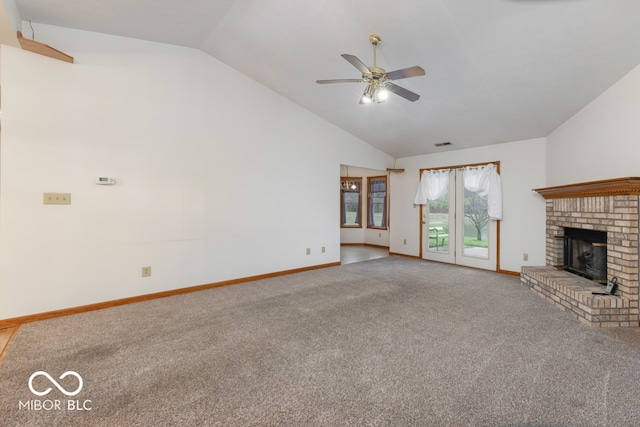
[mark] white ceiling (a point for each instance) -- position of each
(496, 70)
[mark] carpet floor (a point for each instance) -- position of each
(393, 341)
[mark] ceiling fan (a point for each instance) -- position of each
(379, 82)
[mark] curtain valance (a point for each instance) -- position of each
(433, 185)
(485, 181)
(478, 179)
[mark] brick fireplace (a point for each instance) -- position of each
(610, 206)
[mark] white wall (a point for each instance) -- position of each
(217, 176)
(10, 18)
(364, 235)
(522, 168)
(602, 141)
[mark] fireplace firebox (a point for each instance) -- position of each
(585, 253)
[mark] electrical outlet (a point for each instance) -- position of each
(146, 271)
(56, 198)
(379, 234)
(324, 249)
(308, 251)
(525, 257)
(405, 241)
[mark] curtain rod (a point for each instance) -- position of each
(470, 165)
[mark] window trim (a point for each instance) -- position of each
(359, 180)
(386, 202)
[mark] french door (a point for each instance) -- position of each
(456, 228)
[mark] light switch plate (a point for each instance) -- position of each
(56, 198)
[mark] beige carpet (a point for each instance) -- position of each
(393, 341)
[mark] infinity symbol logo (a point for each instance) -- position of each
(58, 386)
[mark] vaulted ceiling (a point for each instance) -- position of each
(496, 70)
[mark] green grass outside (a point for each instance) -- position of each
(468, 241)
(471, 241)
(351, 218)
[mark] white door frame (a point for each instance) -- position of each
(447, 253)
(458, 235)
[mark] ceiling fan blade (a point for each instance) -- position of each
(405, 73)
(356, 63)
(322, 82)
(406, 94)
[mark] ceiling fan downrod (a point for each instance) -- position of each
(375, 41)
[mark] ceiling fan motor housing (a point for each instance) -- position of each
(377, 77)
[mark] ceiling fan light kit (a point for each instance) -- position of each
(379, 82)
(367, 96)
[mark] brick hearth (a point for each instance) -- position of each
(610, 206)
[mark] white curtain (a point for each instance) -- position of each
(433, 185)
(485, 181)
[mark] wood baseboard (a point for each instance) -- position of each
(6, 335)
(405, 255)
(16, 321)
(364, 244)
(5, 324)
(511, 273)
(499, 271)
(371, 245)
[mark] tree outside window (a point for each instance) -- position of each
(476, 213)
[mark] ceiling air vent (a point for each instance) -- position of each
(442, 144)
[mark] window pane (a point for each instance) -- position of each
(377, 202)
(439, 224)
(351, 208)
(350, 202)
(476, 225)
(377, 205)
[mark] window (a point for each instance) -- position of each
(350, 202)
(377, 206)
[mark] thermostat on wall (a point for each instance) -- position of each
(105, 180)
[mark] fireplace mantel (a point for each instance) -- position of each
(609, 187)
